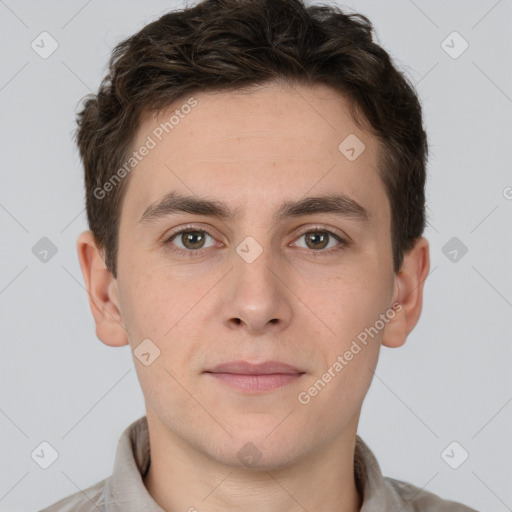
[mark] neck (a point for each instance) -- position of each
(180, 477)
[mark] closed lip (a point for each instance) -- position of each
(246, 368)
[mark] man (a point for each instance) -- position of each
(255, 176)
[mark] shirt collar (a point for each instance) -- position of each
(125, 491)
(377, 494)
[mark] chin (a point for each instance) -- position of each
(259, 451)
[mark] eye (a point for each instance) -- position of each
(190, 239)
(320, 239)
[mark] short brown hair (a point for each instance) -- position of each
(232, 44)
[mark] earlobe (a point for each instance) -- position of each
(102, 291)
(408, 294)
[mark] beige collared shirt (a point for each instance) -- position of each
(124, 490)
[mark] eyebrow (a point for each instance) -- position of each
(173, 202)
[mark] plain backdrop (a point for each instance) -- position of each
(450, 382)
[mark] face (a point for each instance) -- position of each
(263, 274)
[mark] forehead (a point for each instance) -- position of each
(256, 148)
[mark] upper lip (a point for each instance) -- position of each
(246, 368)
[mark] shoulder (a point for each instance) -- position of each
(89, 500)
(419, 500)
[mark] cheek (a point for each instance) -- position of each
(154, 304)
(348, 358)
(158, 311)
(163, 310)
(356, 303)
(347, 301)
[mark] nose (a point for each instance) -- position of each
(256, 298)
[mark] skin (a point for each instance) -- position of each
(254, 150)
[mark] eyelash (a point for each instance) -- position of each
(343, 244)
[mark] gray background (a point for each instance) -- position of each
(450, 382)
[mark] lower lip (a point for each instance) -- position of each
(256, 382)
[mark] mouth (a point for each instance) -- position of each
(255, 378)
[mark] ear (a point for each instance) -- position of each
(103, 293)
(408, 294)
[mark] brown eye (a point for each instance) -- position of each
(317, 240)
(191, 239)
